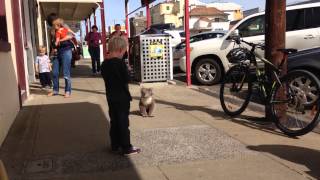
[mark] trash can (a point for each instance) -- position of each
(152, 56)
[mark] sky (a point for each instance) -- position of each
(114, 9)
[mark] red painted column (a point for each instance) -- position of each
(18, 35)
(95, 19)
(86, 22)
(89, 23)
(148, 13)
(103, 26)
(127, 18)
(187, 31)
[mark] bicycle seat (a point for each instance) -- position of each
(288, 51)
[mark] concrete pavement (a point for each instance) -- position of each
(189, 138)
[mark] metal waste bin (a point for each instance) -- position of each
(152, 58)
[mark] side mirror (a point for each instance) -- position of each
(235, 36)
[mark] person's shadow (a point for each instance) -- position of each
(300, 155)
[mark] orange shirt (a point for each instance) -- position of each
(61, 33)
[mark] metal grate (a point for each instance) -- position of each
(155, 68)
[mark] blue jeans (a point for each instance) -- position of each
(64, 59)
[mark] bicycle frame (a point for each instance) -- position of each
(261, 76)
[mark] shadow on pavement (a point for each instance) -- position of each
(248, 121)
(300, 155)
(63, 141)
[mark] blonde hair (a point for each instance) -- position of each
(58, 22)
(117, 44)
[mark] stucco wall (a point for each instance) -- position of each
(9, 96)
(9, 99)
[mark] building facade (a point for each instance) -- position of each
(17, 39)
(23, 29)
(138, 24)
(166, 12)
(208, 18)
(172, 11)
(233, 10)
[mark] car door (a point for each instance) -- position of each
(253, 30)
(301, 31)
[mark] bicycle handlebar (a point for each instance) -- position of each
(254, 45)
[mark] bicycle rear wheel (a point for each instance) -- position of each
(235, 90)
(295, 103)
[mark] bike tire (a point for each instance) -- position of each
(315, 120)
(233, 75)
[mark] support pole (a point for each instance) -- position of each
(148, 13)
(275, 28)
(47, 36)
(86, 22)
(187, 41)
(94, 17)
(127, 18)
(89, 23)
(103, 31)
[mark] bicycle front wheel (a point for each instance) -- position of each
(295, 103)
(235, 90)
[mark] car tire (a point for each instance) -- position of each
(207, 72)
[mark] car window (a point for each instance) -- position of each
(315, 17)
(308, 21)
(295, 20)
(252, 27)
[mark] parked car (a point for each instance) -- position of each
(306, 59)
(179, 50)
(177, 36)
(208, 57)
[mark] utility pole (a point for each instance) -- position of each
(275, 36)
(187, 41)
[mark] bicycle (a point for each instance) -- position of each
(293, 98)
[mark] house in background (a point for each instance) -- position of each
(208, 18)
(233, 10)
(137, 24)
(167, 12)
(249, 12)
(172, 11)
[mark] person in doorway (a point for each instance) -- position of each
(93, 39)
(43, 67)
(115, 74)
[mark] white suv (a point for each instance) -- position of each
(208, 57)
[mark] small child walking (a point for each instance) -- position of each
(43, 67)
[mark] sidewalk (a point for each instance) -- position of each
(189, 138)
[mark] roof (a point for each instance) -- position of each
(225, 6)
(72, 10)
(205, 11)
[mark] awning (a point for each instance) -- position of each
(69, 10)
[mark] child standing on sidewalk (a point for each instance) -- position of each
(116, 77)
(43, 67)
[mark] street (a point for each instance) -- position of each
(189, 138)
